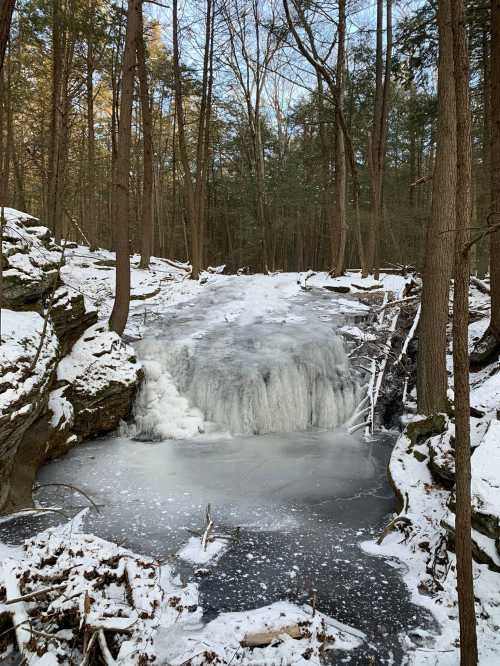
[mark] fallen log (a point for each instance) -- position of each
(264, 638)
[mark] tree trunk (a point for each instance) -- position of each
(147, 137)
(55, 118)
(340, 159)
(188, 179)
(119, 315)
(6, 11)
(495, 168)
(432, 375)
(378, 137)
(91, 181)
(463, 546)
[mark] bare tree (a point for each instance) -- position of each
(6, 11)
(194, 186)
(432, 375)
(339, 235)
(378, 136)
(251, 50)
(63, 48)
(147, 138)
(320, 65)
(91, 163)
(463, 545)
(121, 172)
(489, 344)
(495, 168)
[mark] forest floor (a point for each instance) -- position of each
(173, 624)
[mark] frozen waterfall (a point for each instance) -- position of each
(254, 379)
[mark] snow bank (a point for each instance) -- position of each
(296, 635)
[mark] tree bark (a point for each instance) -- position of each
(340, 159)
(495, 168)
(91, 182)
(147, 137)
(432, 375)
(119, 314)
(378, 137)
(6, 11)
(189, 190)
(463, 545)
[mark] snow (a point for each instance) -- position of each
(61, 408)
(21, 333)
(223, 638)
(82, 369)
(259, 311)
(485, 469)
(194, 552)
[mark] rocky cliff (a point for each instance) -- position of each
(63, 376)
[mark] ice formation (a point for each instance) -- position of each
(261, 378)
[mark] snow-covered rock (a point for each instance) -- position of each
(485, 483)
(69, 316)
(102, 377)
(24, 387)
(96, 382)
(31, 260)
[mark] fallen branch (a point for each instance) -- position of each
(34, 595)
(399, 520)
(406, 301)
(421, 180)
(209, 527)
(262, 638)
(19, 613)
(106, 654)
(479, 284)
(410, 335)
(71, 487)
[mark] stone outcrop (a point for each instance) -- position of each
(442, 458)
(70, 317)
(485, 499)
(79, 383)
(24, 389)
(31, 260)
(102, 377)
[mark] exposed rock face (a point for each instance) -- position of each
(48, 437)
(485, 483)
(442, 458)
(31, 260)
(485, 494)
(102, 377)
(70, 317)
(23, 392)
(46, 410)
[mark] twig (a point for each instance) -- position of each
(71, 487)
(410, 335)
(34, 595)
(390, 304)
(208, 529)
(106, 654)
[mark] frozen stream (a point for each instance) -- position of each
(304, 493)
